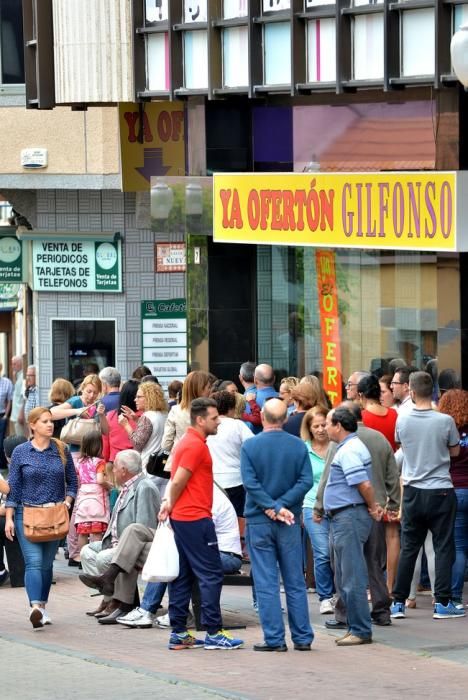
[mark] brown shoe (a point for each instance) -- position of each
(351, 640)
(102, 606)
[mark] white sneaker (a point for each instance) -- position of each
(163, 621)
(326, 607)
(46, 620)
(137, 618)
(36, 618)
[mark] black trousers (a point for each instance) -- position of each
(14, 557)
(427, 510)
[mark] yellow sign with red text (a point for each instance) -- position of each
(151, 142)
(329, 324)
(407, 210)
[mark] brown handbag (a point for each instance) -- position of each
(45, 524)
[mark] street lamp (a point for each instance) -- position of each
(459, 53)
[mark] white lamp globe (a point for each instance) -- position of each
(459, 53)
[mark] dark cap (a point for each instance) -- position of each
(11, 442)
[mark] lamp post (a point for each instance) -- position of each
(459, 54)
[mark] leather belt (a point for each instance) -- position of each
(232, 554)
(334, 511)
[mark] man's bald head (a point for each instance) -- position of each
(274, 412)
(264, 375)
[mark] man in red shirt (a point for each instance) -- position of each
(189, 503)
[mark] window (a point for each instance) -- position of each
(460, 16)
(277, 42)
(418, 43)
(309, 4)
(235, 56)
(234, 8)
(157, 62)
(156, 10)
(321, 50)
(368, 43)
(276, 5)
(11, 43)
(195, 11)
(196, 59)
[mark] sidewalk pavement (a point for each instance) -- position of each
(76, 657)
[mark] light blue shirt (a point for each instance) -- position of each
(351, 465)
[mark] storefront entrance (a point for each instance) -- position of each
(81, 346)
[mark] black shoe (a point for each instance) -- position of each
(382, 623)
(4, 577)
(263, 646)
(112, 618)
(335, 625)
(302, 647)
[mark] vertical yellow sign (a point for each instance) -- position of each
(152, 142)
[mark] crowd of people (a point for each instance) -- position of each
(372, 488)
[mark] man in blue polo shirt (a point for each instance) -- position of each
(349, 502)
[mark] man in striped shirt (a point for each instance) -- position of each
(349, 502)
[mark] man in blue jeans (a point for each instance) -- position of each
(349, 503)
(276, 474)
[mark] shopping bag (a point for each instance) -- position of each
(162, 563)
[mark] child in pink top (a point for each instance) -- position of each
(92, 511)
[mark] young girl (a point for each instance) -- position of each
(92, 503)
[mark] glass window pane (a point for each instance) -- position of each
(196, 59)
(157, 57)
(418, 44)
(276, 5)
(156, 10)
(236, 56)
(368, 46)
(321, 50)
(313, 3)
(277, 53)
(391, 304)
(234, 8)
(11, 43)
(195, 11)
(357, 3)
(460, 16)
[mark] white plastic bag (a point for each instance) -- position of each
(162, 563)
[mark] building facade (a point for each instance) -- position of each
(282, 86)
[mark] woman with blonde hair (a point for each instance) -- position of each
(285, 392)
(197, 384)
(146, 432)
(314, 434)
(41, 472)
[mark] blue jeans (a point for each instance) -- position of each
(39, 560)
(461, 544)
(276, 548)
(319, 534)
(350, 530)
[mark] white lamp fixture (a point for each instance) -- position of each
(193, 199)
(162, 199)
(459, 53)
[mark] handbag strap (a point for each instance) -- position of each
(61, 448)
